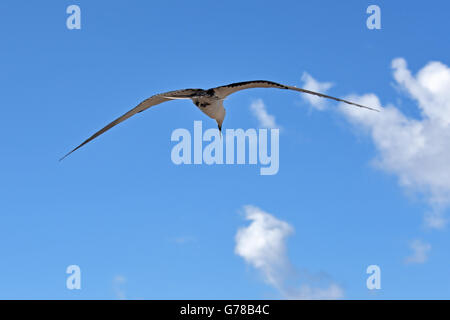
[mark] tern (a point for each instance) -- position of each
(209, 101)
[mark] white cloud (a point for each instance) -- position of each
(417, 151)
(262, 244)
(420, 252)
(313, 85)
(430, 88)
(265, 119)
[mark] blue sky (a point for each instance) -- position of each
(141, 227)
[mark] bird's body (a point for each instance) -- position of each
(213, 108)
(209, 101)
(206, 100)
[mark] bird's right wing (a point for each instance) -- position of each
(144, 105)
(223, 91)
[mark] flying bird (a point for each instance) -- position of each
(209, 101)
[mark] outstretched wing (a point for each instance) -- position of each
(223, 91)
(152, 101)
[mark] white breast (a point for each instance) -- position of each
(212, 108)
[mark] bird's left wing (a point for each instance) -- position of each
(223, 91)
(152, 101)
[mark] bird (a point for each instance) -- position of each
(209, 101)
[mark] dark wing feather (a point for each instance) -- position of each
(223, 91)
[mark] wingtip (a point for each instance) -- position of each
(61, 159)
(361, 106)
(373, 109)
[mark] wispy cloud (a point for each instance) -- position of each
(420, 252)
(118, 283)
(262, 244)
(417, 151)
(265, 119)
(312, 84)
(183, 239)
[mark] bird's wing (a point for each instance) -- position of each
(152, 101)
(223, 91)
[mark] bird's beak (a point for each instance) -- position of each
(220, 130)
